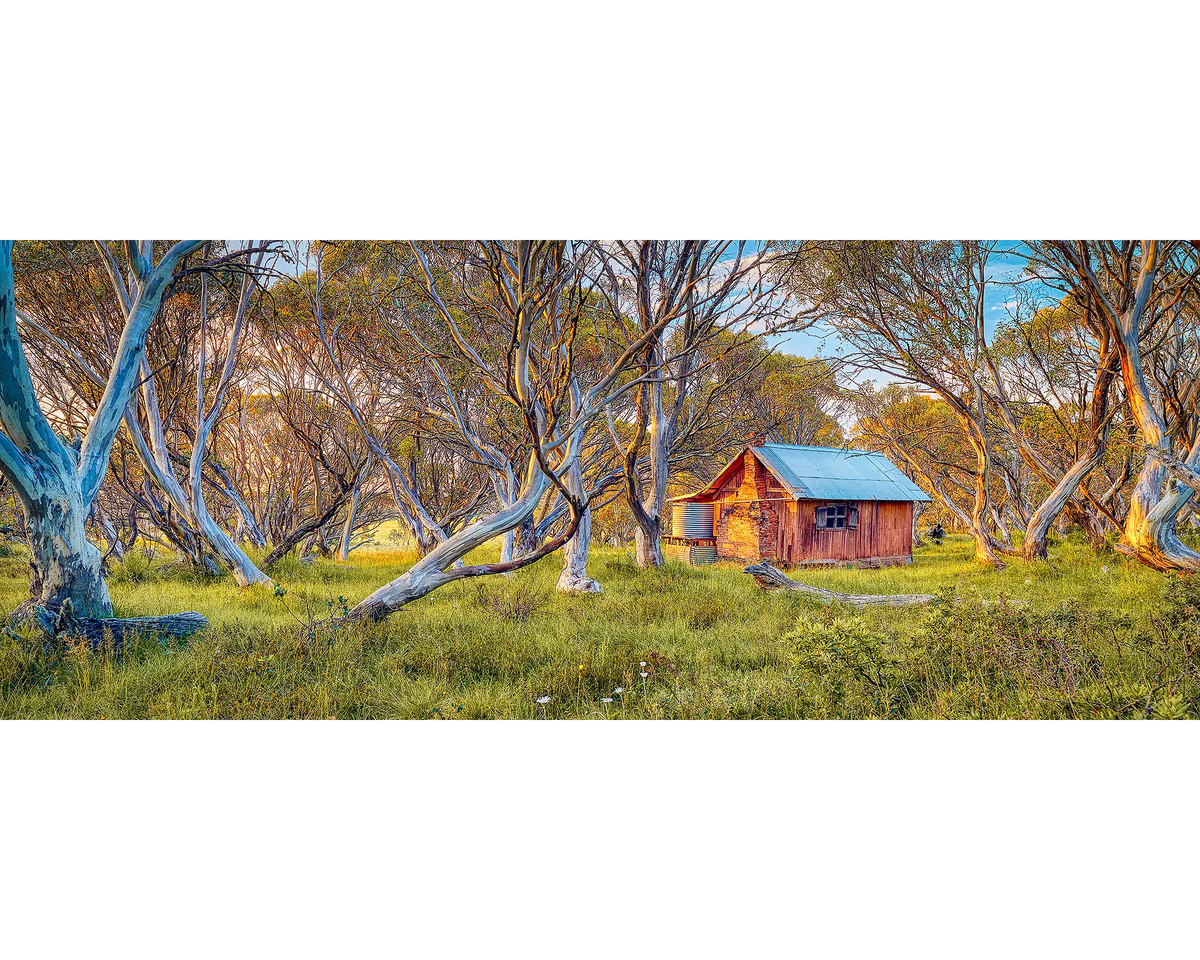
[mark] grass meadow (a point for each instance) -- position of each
(1082, 636)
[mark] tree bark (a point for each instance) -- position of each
(1034, 545)
(348, 527)
(574, 577)
(56, 492)
(66, 564)
(525, 537)
(771, 578)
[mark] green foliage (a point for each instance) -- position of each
(135, 568)
(853, 670)
(1191, 536)
(1084, 637)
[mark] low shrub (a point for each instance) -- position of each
(515, 600)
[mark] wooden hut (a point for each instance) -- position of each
(806, 505)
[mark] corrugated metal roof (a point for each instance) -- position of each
(830, 473)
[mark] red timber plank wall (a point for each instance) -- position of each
(757, 519)
(884, 533)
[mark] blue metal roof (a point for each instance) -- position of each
(830, 473)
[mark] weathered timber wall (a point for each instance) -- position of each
(884, 531)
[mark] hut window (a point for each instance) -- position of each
(837, 516)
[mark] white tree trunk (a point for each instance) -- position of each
(431, 571)
(67, 564)
(348, 527)
(574, 577)
(57, 493)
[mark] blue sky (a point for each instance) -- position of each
(821, 341)
(1004, 267)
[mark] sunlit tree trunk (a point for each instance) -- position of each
(985, 552)
(1155, 503)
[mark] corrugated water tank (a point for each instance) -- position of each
(697, 554)
(692, 521)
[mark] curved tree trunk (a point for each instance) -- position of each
(1034, 545)
(430, 572)
(57, 492)
(1150, 531)
(985, 551)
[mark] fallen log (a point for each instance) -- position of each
(96, 630)
(772, 578)
(122, 628)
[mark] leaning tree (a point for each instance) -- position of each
(538, 294)
(1146, 294)
(914, 310)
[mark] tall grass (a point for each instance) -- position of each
(1088, 636)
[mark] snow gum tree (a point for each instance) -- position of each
(57, 486)
(532, 297)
